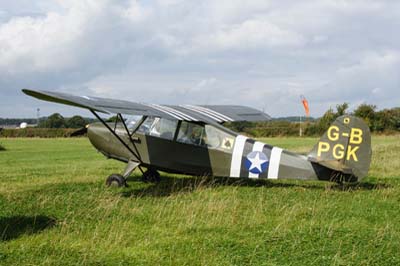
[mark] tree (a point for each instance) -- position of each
(112, 119)
(341, 109)
(240, 126)
(326, 120)
(329, 117)
(366, 112)
(54, 121)
(387, 119)
(76, 122)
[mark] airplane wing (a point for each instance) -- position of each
(203, 113)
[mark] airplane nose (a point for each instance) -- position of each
(98, 136)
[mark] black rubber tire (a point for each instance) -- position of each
(116, 180)
(151, 176)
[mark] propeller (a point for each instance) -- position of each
(80, 132)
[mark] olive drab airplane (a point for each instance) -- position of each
(190, 139)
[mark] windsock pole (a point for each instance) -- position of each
(300, 129)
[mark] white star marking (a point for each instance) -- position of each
(256, 162)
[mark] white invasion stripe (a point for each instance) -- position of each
(211, 112)
(164, 111)
(183, 114)
(237, 154)
(202, 113)
(168, 110)
(198, 110)
(258, 146)
(161, 110)
(216, 113)
(208, 111)
(274, 162)
(188, 117)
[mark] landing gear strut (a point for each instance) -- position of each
(150, 176)
(116, 180)
(120, 180)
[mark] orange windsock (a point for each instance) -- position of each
(305, 104)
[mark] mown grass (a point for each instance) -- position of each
(55, 210)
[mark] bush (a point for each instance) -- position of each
(38, 133)
(58, 121)
(76, 122)
(387, 120)
(54, 121)
(273, 128)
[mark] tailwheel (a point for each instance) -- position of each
(341, 178)
(151, 176)
(116, 180)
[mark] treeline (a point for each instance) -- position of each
(292, 118)
(53, 121)
(382, 121)
(58, 121)
(16, 121)
(54, 126)
(32, 132)
(1, 147)
(386, 121)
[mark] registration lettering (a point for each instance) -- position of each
(338, 150)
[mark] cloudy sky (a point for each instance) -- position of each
(259, 53)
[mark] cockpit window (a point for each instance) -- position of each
(159, 127)
(131, 122)
(191, 133)
(204, 135)
(146, 125)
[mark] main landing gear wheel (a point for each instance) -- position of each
(116, 180)
(151, 176)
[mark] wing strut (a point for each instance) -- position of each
(130, 135)
(119, 116)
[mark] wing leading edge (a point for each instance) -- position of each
(203, 113)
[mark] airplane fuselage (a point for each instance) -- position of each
(234, 156)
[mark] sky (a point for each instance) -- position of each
(258, 53)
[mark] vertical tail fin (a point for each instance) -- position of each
(345, 148)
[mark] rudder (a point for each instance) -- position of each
(345, 148)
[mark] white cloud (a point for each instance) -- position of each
(252, 34)
(373, 62)
(136, 12)
(260, 53)
(41, 44)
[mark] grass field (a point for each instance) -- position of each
(55, 210)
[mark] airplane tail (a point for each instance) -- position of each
(344, 150)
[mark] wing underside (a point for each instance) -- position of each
(196, 113)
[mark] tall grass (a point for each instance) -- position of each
(55, 210)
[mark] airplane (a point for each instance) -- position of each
(191, 140)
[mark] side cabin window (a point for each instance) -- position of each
(218, 139)
(159, 127)
(204, 135)
(191, 133)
